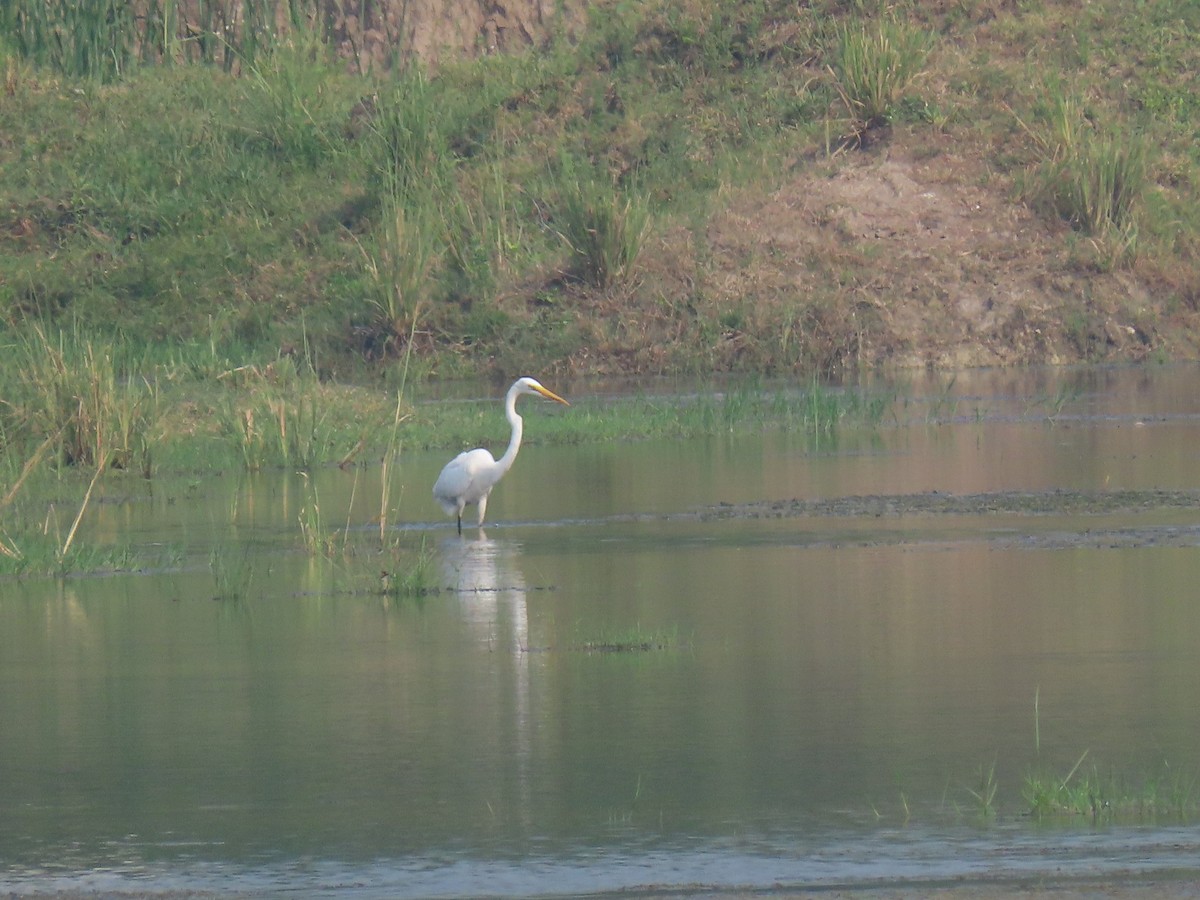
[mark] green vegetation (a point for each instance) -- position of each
(1097, 797)
(231, 184)
(1075, 794)
(875, 62)
(232, 571)
(633, 640)
(604, 229)
(1092, 179)
(82, 398)
(984, 793)
(739, 409)
(1086, 794)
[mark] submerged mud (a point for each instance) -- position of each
(1098, 518)
(1038, 503)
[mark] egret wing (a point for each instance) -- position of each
(461, 482)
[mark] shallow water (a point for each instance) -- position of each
(840, 637)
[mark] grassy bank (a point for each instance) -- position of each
(557, 210)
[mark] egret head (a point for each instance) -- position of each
(529, 385)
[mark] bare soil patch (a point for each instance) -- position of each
(931, 260)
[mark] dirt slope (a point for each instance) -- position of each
(940, 265)
(913, 252)
(373, 33)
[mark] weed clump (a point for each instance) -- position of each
(603, 227)
(85, 399)
(873, 65)
(1094, 178)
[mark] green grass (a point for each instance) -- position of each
(247, 192)
(411, 574)
(1094, 178)
(736, 409)
(287, 423)
(603, 227)
(232, 570)
(1090, 794)
(86, 399)
(984, 793)
(1084, 793)
(874, 63)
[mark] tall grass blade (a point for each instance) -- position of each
(79, 515)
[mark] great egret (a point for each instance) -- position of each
(470, 476)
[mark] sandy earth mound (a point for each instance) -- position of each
(938, 266)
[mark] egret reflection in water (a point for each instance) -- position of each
(487, 580)
(490, 589)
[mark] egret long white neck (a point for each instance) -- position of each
(505, 462)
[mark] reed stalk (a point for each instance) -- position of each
(103, 40)
(79, 515)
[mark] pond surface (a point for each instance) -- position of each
(739, 662)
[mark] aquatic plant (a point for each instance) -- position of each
(410, 573)
(1093, 795)
(984, 793)
(232, 569)
(41, 548)
(632, 640)
(743, 408)
(282, 416)
(314, 536)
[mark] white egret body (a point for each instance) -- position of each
(470, 476)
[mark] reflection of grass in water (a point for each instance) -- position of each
(633, 640)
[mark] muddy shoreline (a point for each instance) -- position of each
(1127, 518)
(1031, 503)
